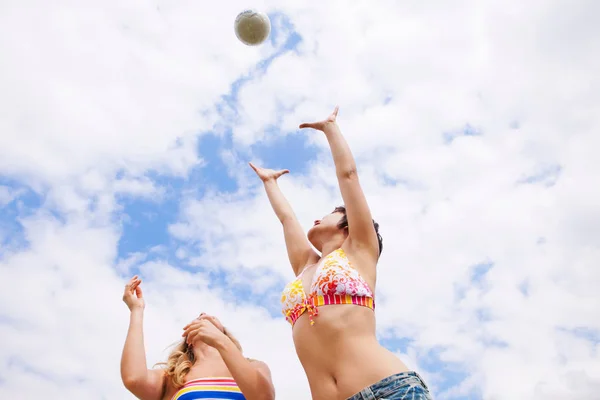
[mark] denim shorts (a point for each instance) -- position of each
(403, 386)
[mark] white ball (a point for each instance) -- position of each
(252, 27)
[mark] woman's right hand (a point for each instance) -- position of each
(133, 294)
(268, 174)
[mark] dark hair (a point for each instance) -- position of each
(344, 224)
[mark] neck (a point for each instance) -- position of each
(204, 352)
(331, 246)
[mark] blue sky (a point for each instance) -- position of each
(26, 204)
(146, 222)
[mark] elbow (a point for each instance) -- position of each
(263, 391)
(283, 218)
(349, 173)
(270, 394)
(266, 395)
(131, 381)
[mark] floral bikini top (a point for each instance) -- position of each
(335, 282)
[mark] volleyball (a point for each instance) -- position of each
(252, 27)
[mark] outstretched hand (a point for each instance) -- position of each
(266, 174)
(132, 296)
(321, 125)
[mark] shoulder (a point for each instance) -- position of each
(168, 388)
(256, 362)
(259, 364)
(158, 375)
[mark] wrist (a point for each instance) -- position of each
(223, 344)
(136, 311)
(330, 127)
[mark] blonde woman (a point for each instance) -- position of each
(207, 364)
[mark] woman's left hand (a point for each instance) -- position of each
(322, 125)
(205, 330)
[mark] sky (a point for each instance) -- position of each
(125, 132)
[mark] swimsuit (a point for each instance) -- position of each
(209, 389)
(402, 386)
(335, 282)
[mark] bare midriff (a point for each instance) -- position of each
(340, 352)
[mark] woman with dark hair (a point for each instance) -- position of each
(331, 301)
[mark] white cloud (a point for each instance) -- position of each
(113, 87)
(99, 97)
(63, 316)
(502, 72)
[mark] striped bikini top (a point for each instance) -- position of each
(335, 282)
(209, 388)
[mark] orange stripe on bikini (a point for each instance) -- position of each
(335, 282)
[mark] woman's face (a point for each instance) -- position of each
(330, 220)
(323, 228)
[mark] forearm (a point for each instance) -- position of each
(133, 359)
(279, 203)
(251, 381)
(345, 166)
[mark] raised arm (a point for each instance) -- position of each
(360, 223)
(143, 383)
(298, 246)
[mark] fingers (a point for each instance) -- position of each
(282, 172)
(131, 281)
(253, 167)
(194, 329)
(213, 320)
(130, 287)
(189, 327)
(186, 329)
(190, 324)
(135, 279)
(191, 336)
(194, 334)
(138, 291)
(319, 125)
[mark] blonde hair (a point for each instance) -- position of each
(182, 358)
